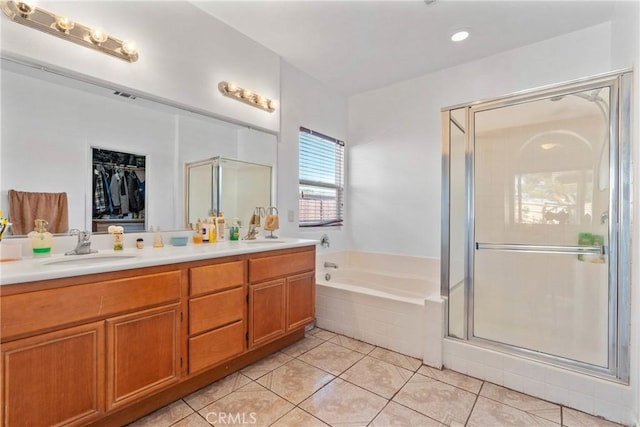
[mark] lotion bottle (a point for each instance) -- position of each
(41, 239)
(220, 227)
(213, 232)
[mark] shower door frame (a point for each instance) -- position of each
(619, 224)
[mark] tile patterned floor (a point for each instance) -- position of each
(328, 379)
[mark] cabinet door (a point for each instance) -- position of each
(300, 300)
(143, 353)
(266, 311)
(55, 378)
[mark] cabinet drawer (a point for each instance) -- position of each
(216, 277)
(26, 313)
(281, 265)
(212, 311)
(208, 349)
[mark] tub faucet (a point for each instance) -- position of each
(330, 265)
(84, 243)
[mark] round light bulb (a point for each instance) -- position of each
(273, 104)
(458, 36)
(262, 100)
(98, 36)
(26, 7)
(63, 23)
(246, 94)
(129, 48)
(232, 87)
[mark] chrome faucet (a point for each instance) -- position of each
(330, 264)
(84, 243)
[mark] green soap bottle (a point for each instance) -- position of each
(234, 231)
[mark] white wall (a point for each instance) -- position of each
(395, 144)
(184, 53)
(307, 103)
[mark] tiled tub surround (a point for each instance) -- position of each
(390, 301)
(330, 379)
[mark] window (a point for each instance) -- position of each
(563, 197)
(321, 164)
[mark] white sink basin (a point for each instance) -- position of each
(88, 259)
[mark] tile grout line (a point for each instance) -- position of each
(398, 403)
(474, 404)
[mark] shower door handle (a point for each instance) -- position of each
(543, 249)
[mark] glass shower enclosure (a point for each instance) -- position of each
(536, 224)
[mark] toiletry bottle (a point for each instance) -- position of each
(213, 232)
(197, 233)
(234, 231)
(204, 228)
(41, 239)
(157, 239)
(118, 240)
(220, 227)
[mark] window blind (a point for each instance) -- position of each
(321, 168)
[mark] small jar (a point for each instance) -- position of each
(140, 243)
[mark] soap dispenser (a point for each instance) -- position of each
(41, 239)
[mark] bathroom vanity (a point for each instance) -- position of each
(106, 347)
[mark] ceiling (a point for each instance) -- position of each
(359, 45)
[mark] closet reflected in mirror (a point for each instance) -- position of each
(118, 190)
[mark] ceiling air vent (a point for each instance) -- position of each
(124, 94)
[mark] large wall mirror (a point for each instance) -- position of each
(51, 122)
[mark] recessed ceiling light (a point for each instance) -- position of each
(458, 36)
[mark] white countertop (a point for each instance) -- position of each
(33, 269)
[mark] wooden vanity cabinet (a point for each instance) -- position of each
(281, 294)
(107, 348)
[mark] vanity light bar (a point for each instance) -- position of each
(25, 13)
(232, 90)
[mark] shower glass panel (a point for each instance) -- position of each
(541, 203)
(458, 225)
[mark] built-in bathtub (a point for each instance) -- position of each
(391, 301)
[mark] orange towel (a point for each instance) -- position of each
(25, 208)
(271, 223)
